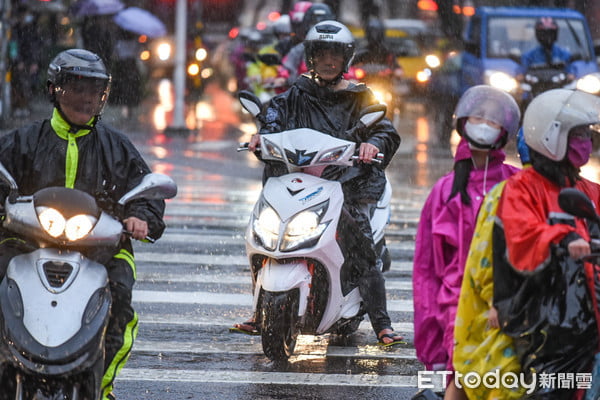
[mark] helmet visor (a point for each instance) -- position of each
(82, 94)
(492, 105)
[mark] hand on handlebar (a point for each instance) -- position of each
(254, 142)
(578, 248)
(367, 152)
(137, 227)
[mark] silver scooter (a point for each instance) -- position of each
(55, 300)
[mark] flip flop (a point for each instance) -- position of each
(390, 336)
(247, 328)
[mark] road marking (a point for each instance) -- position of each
(199, 320)
(320, 349)
(268, 378)
(221, 260)
(158, 277)
(230, 299)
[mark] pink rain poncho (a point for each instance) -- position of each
(443, 237)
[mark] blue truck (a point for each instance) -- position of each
(493, 42)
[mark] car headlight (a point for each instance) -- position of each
(381, 95)
(432, 61)
(333, 155)
(266, 226)
(589, 83)
(54, 223)
(305, 228)
(272, 149)
(423, 75)
(163, 51)
(501, 80)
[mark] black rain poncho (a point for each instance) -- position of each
(307, 105)
(108, 165)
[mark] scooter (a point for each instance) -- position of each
(297, 238)
(541, 78)
(55, 300)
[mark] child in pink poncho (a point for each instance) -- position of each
(485, 118)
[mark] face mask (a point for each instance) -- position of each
(482, 134)
(579, 150)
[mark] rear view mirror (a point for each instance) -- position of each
(250, 102)
(373, 114)
(153, 186)
(576, 203)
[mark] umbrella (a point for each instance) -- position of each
(140, 21)
(85, 8)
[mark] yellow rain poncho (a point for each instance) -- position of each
(478, 347)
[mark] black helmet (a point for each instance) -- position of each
(375, 31)
(546, 31)
(80, 63)
(316, 13)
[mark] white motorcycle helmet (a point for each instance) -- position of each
(492, 104)
(329, 34)
(550, 117)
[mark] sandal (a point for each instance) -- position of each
(396, 339)
(247, 328)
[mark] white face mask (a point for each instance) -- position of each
(482, 134)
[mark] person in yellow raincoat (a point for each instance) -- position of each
(480, 347)
(261, 73)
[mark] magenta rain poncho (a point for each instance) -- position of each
(442, 244)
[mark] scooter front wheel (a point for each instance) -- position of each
(279, 323)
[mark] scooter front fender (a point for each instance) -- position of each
(282, 277)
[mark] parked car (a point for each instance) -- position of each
(494, 40)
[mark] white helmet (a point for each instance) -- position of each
(492, 104)
(329, 34)
(550, 117)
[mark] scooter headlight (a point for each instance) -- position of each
(273, 150)
(333, 155)
(589, 83)
(78, 226)
(501, 80)
(54, 223)
(266, 226)
(305, 228)
(51, 220)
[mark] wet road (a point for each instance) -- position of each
(194, 283)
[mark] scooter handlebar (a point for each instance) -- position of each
(378, 159)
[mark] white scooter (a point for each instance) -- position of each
(55, 300)
(303, 282)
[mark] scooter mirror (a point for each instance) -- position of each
(153, 186)
(8, 179)
(373, 114)
(250, 102)
(576, 203)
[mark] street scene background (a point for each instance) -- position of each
(194, 283)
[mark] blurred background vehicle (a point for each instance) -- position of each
(418, 47)
(493, 42)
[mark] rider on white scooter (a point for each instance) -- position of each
(74, 149)
(325, 101)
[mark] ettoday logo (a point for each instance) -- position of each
(472, 380)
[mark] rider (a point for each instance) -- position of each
(325, 101)
(547, 52)
(74, 149)
(293, 63)
(486, 118)
(375, 51)
(530, 233)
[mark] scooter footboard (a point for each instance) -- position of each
(281, 277)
